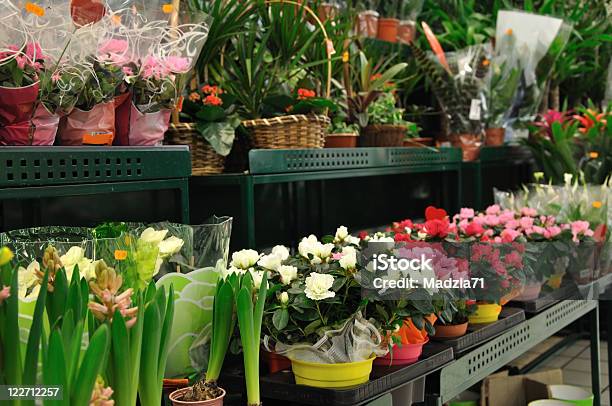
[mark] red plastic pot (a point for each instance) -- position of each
(405, 355)
(341, 140)
(275, 362)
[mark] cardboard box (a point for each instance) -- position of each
(518, 390)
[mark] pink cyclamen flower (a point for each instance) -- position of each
(506, 216)
(114, 51)
(466, 213)
(495, 209)
(5, 293)
(526, 222)
(491, 220)
(529, 212)
(580, 228)
(127, 71)
(512, 225)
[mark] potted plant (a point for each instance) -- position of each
(342, 134)
(413, 139)
(366, 23)
(386, 126)
(388, 25)
(206, 391)
(409, 12)
(458, 324)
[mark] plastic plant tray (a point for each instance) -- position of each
(479, 333)
(566, 291)
(280, 388)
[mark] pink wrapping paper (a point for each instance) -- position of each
(148, 129)
(40, 131)
(94, 127)
(17, 104)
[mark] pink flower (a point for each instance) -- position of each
(474, 229)
(512, 225)
(580, 228)
(114, 51)
(526, 222)
(177, 64)
(56, 77)
(495, 209)
(21, 61)
(528, 212)
(509, 235)
(514, 260)
(5, 293)
(552, 232)
(153, 68)
(506, 216)
(34, 52)
(491, 220)
(505, 284)
(466, 213)
(127, 71)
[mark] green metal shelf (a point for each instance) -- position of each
(288, 166)
(38, 172)
(477, 364)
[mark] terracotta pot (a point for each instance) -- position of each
(275, 362)
(367, 24)
(419, 142)
(531, 292)
(178, 394)
(405, 354)
(327, 11)
(469, 143)
(341, 140)
(494, 137)
(445, 331)
(148, 129)
(406, 31)
(387, 29)
(93, 127)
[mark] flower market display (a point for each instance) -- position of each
(481, 127)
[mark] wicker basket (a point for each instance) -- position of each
(288, 132)
(204, 159)
(382, 135)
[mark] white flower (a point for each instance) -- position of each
(76, 257)
(308, 246)
(152, 236)
(87, 268)
(232, 270)
(288, 274)
(318, 286)
(257, 278)
(341, 234)
(158, 263)
(352, 240)
(271, 262)
(349, 258)
(281, 251)
(170, 246)
(244, 259)
(567, 177)
(284, 298)
(324, 251)
(26, 278)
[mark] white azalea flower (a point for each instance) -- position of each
(281, 251)
(284, 298)
(318, 286)
(257, 279)
(170, 246)
(288, 274)
(352, 240)
(26, 278)
(324, 251)
(271, 262)
(349, 258)
(152, 236)
(308, 246)
(341, 234)
(232, 270)
(244, 259)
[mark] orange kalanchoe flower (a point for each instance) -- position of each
(215, 90)
(194, 97)
(212, 100)
(305, 94)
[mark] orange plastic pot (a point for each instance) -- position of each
(446, 331)
(387, 29)
(341, 140)
(494, 137)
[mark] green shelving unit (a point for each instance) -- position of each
(42, 172)
(290, 166)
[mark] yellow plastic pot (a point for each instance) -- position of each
(331, 375)
(555, 280)
(485, 313)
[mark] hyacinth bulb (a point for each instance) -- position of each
(106, 290)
